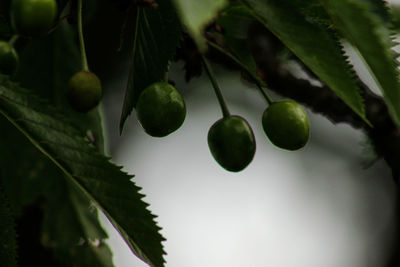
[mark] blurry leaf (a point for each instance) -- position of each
(157, 36)
(196, 14)
(369, 34)
(235, 21)
(379, 8)
(105, 184)
(190, 55)
(395, 12)
(8, 237)
(69, 220)
(314, 12)
(92, 254)
(313, 44)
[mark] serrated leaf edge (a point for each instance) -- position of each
(68, 174)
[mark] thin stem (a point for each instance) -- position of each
(210, 73)
(13, 39)
(85, 65)
(245, 68)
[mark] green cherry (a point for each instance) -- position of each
(33, 17)
(8, 58)
(232, 143)
(160, 109)
(286, 125)
(84, 91)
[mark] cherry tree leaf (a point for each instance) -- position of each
(51, 131)
(313, 43)
(368, 32)
(157, 36)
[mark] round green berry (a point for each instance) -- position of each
(84, 91)
(33, 17)
(286, 125)
(232, 143)
(160, 109)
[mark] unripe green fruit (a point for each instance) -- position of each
(84, 91)
(32, 17)
(8, 58)
(232, 143)
(160, 109)
(286, 125)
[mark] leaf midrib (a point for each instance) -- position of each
(116, 225)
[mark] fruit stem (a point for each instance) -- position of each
(13, 39)
(246, 69)
(210, 73)
(85, 65)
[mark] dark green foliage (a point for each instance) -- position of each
(8, 241)
(369, 33)
(47, 64)
(53, 190)
(110, 189)
(71, 227)
(157, 36)
(32, 177)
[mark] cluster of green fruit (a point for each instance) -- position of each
(33, 18)
(161, 110)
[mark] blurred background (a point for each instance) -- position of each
(326, 205)
(330, 204)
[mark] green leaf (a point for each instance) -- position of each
(105, 184)
(196, 14)
(369, 34)
(26, 175)
(46, 65)
(313, 43)
(157, 36)
(70, 220)
(379, 8)
(8, 237)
